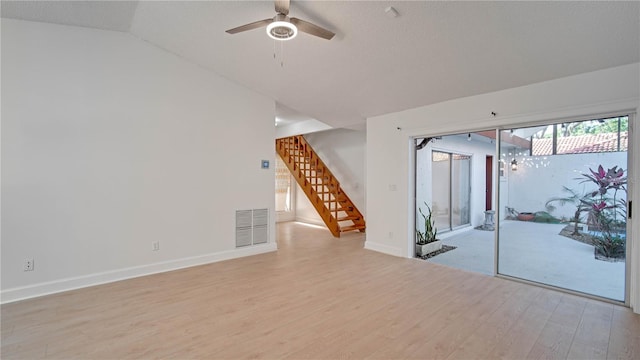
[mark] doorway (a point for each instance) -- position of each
(558, 192)
(285, 192)
(451, 180)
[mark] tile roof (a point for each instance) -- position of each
(590, 143)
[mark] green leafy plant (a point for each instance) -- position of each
(610, 245)
(545, 217)
(605, 211)
(430, 231)
(574, 198)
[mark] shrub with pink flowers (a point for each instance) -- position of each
(607, 210)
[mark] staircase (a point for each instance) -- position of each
(321, 187)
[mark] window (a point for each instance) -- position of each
(581, 137)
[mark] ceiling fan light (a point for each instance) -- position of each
(282, 30)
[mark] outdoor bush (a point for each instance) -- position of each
(607, 213)
(545, 217)
(610, 245)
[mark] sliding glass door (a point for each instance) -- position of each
(564, 205)
(451, 189)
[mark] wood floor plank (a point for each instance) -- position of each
(555, 340)
(317, 297)
(592, 336)
(491, 332)
(624, 342)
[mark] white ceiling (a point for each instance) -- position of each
(432, 52)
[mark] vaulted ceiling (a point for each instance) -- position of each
(376, 64)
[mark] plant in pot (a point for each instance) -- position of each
(526, 216)
(426, 242)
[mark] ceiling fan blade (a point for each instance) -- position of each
(251, 26)
(282, 6)
(311, 29)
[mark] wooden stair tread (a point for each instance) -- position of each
(349, 217)
(352, 228)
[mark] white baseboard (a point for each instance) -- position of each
(311, 221)
(385, 249)
(56, 286)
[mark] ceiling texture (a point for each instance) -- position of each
(376, 64)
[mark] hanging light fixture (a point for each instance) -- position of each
(514, 164)
(281, 28)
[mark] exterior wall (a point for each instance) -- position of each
(530, 187)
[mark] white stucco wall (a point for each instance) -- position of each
(530, 187)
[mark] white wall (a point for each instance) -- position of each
(109, 144)
(543, 177)
(343, 151)
(389, 187)
(300, 127)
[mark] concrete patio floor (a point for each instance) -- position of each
(536, 252)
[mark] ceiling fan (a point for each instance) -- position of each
(282, 27)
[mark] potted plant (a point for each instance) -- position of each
(426, 242)
(526, 216)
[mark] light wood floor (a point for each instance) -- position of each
(318, 297)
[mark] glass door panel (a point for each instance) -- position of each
(440, 189)
(460, 190)
(451, 189)
(563, 202)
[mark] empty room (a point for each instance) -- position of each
(319, 179)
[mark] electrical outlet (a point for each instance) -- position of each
(155, 246)
(28, 265)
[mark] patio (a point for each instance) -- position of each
(536, 252)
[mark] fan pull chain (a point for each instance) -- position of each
(281, 52)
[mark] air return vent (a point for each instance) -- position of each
(252, 227)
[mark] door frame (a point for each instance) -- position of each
(488, 183)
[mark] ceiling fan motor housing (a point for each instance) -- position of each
(281, 28)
